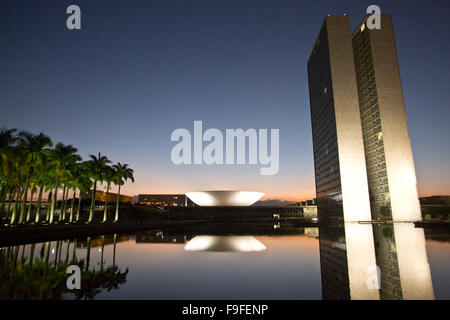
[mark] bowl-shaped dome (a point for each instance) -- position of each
(224, 198)
(225, 244)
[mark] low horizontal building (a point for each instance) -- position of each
(162, 200)
(234, 213)
(309, 208)
(435, 200)
(304, 203)
(435, 207)
(101, 196)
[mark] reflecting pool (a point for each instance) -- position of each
(236, 261)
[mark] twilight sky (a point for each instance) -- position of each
(137, 70)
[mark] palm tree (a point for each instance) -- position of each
(84, 185)
(33, 147)
(60, 156)
(108, 176)
(33, 189)
(17, 157)
(97, 167)
(7, 141)
(123, 173)
(79, 180)
(43, 181)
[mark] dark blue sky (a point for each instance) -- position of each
(137, 70)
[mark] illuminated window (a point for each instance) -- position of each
(325, 90)
(380, 136)
(276, 216)
(363, 26)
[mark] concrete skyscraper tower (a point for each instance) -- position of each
(363, 161)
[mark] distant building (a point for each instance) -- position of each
(435, 200)
(435, 207)
(309, 208)
(101, 196)
(363, 162)
(162, 200)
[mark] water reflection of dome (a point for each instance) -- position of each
(224, 198)
(225, 244)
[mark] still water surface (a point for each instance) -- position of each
(237, 261)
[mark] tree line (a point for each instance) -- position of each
(32, 164)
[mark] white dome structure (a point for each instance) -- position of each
(224, 198)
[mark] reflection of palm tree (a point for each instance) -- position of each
(35, 279)
(88, 253)
(114, 249)
(30, 262)
(103, 248)
(74, 255)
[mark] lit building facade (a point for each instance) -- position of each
(162, 200)
(101, 196)
(363, 161)
(374, 262)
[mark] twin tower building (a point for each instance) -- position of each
(364, 168)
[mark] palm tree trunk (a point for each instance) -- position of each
(105, 211)
(54, 195)
(15, 256)
(56, 254)
(2, 207)
(103, 248)
(79, 205)
(16, 202)
(114, 250)
(117, 205)
(72, 206)
(91, 211)
(62, 213)
(11, 195)
(65, 203)
(88, 253)
(29, 207)
(31, 255)
(74, 254)
(24, 201)
(46, 258)
(49, 205)
(67, 252)
(38, 210)
(60, 250)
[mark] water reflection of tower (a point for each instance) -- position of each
(333, 264)
(348, 252)
(386, 256)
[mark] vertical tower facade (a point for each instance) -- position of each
(390, 166)
(339, 162)
(363, 161)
